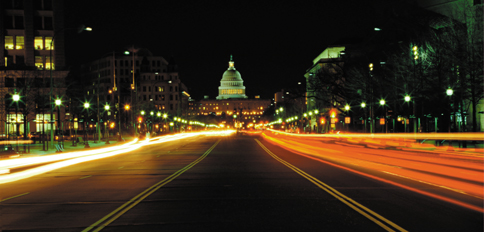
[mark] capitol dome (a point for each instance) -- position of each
(231, 85)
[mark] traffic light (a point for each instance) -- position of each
(140, 119)
(323, 121)
(333, 113)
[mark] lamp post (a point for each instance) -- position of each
(58, 103)
(449, 92)
(16, 98)
(106, 108)
(142, 114)
(347, 109)
(165, 115)
(133, 50)
(407, 99)
(382, 103)
(86, 139)
(363, 106)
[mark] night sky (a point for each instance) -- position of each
(272, 43)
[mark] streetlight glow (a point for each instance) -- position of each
(16, 97)
(449, 91)
(382, 102)
(57, 102)
(86, 105)
(407, 98)
(363, 105)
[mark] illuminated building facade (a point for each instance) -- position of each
(232, 101)
(158, 86)
(32, 35)
(231, 85)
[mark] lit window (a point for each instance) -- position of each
(38, 43)
(9, 42)
(39, 62)
(19, 42)
(48, 41)
(48, 63)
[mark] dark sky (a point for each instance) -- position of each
(273, 43)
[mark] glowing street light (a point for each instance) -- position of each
(382, 102)
(106, 107)
(449, 91)
(407, 98)
(363, 105)
(347, 107)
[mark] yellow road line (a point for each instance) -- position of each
(341, 197)
(6, 199)
(84, 177)
(138, 198)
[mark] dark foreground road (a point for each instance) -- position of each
(236, 183)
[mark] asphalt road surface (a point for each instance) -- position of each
(235, 183)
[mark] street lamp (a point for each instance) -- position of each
(86, 139)
(16, 98)
(106, 130)
(58, 103)
(449, 92)
(407, 98)
(382, 103)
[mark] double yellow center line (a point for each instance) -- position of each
(106, 220)
(376, 218)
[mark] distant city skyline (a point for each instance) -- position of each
(273, 44)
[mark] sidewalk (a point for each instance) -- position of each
(37, 148)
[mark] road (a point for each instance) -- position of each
(235, 183)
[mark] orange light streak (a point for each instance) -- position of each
(464, 175)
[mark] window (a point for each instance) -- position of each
(38, 23)
(19, 42)
(9, 82)
(48, 23)
(162, 97)
(176, 97)
(19, 22)
(144, 97)
(149, 88)
(39, 62)
(171, 88)
(176, 88)
(171, 97)
(171, 106)
(9, 42)
(48, 63)
(38, 43)
(144, 88)
(48, 42)
(8, 22)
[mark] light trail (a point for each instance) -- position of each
(71, 158)
(415, 136)
(464, 175)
